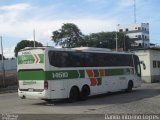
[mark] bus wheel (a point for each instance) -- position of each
(48, 100)
(85, 92)
(73, 95)
(130, 86)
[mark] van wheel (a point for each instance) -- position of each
(85, 92)
(130, 86)
(73, 95)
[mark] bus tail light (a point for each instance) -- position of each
(45, 84)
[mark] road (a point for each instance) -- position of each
(143, 100)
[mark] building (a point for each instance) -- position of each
(139, 32)
(151, 59)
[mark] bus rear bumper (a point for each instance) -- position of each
(33, 95)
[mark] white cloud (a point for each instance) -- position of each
(96, 1)
(8, 52)
(13, 13)
(15, 7)
(95, 25)
(45, 28)
(126, 3)
(19, 20)
(17, 25)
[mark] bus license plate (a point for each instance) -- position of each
(30, 90)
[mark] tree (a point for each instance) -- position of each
(108, 40)
(1, 57)
(26, 43)
(68, 36)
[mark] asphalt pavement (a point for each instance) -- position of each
(143, 100)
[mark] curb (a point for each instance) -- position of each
(9, 89)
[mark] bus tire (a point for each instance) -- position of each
(74, 94)
(48, 100)
(85, 92)
(130, 86)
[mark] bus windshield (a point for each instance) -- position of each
(137, 66)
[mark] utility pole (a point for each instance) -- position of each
(116, 42)
(34, 39)
(116, 39)
(135, 12)
(2, 63)
(124, 42)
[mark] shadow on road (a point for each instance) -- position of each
(109, 98)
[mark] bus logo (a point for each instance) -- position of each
(31, 59)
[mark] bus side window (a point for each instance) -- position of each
(58, 59)
(76, 59)
(52, 55)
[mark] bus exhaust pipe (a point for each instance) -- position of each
(23, 97)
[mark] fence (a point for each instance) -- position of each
(10, 70)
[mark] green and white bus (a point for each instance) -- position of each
(49, 73)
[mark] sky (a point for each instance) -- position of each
(18, 18)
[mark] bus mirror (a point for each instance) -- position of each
(144, 66)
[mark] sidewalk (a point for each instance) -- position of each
(9, 89)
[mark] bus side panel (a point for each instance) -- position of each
(111, 83)
(58, 89)
(61, 88)
(137, 81)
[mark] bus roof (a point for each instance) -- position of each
(80, 49)
(91, 49)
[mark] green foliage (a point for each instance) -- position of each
(1, 57)
(108, 40)
(68, 36)
(26, 43)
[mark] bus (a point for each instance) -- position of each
(49, 73)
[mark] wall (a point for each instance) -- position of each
(144, 56)
(155, 71)
(150, 74)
